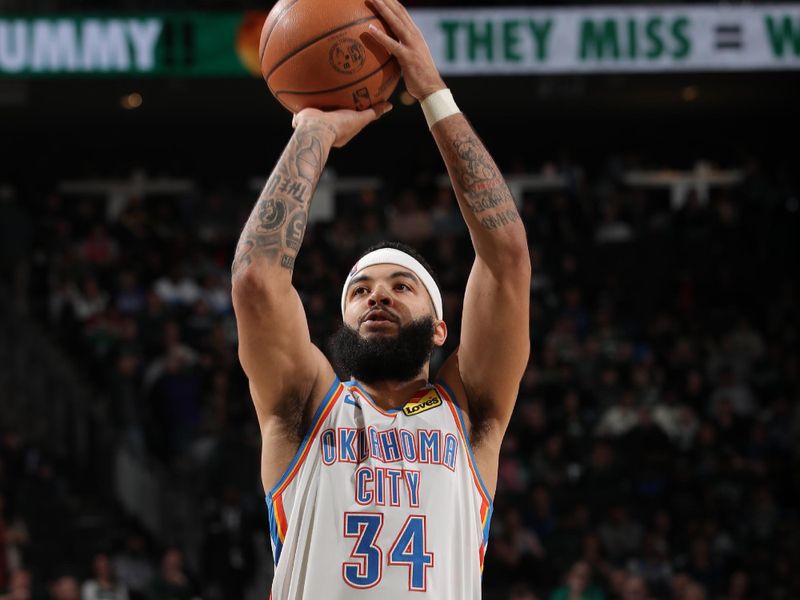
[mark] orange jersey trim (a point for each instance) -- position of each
(309, 441)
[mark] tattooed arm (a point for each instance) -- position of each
(288, 375)
(483, 196)
(272, 235)
(495, 344)
(495, 341)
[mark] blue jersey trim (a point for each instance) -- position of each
(488, 523)
(369, 396)
(306, 439)
(277, 545)
(450, 393)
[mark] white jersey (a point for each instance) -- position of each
(380, 503)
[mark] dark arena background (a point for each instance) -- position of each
(653, 150)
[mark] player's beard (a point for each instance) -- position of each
(382, 357)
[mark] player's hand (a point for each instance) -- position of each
(410, 49)
(343, 124)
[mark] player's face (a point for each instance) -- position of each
(389, 328)
(382, 299)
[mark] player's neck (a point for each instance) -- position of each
(395, 394)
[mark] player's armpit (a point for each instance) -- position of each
(495, 339)
(485, 432)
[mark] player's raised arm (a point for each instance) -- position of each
(494, 337)
(275, 348)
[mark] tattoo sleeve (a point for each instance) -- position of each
(479, 186)
(482, 193)
(274, 231)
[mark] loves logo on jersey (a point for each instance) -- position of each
(422, 401)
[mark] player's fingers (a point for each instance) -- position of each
(391, 45)
(375, 112)
(391, 17)
(382, 108)
(402, 13)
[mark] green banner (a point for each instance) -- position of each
(179, 44)
(480, 41)
(613, 39)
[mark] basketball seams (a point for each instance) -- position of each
(278, 17)
(313, 41)
(286, 106)
(333, 89)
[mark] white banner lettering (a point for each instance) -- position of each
(612, 39)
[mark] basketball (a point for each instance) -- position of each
(317, 53)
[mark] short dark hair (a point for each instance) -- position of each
(408, 250)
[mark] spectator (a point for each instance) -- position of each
(133, 566)
(612, 229)
(619, 419)
(650, 567)
(98, 248)
(65, 587)
(739, 587)
(550, 464)
(104, 585)
(445, 216)
(216, 295)
(19, 586)
(172, 582)
(176, 288)
(679, 421)
(578, 585)
(620, 534)
(173, 350)
(88, 301)
(731, 390)
(14, 538)
(408, 222)
(731, 428)
(372, 231)
(592, 554)
(695, 391)
(608, 390)
(533, 418)
(175, 400)
(130, 296)
(573, 420)
(602, 479)
(521, 591)
(542, 519)
(763, 516)
(512, 475)
(229, 557)
(215, 220)
(701, 565)
(634, 588)
(649, 452)
(694, 592)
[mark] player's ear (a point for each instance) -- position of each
(439, 332)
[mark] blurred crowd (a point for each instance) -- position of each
(654, 452)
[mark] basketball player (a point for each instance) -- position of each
(380, 486)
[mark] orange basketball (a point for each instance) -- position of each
(315, 53)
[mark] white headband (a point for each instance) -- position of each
(391, 256)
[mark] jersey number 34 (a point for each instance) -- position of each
(408, 550)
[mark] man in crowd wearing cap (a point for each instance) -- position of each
(381, 484)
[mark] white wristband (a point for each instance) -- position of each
(438, 105)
